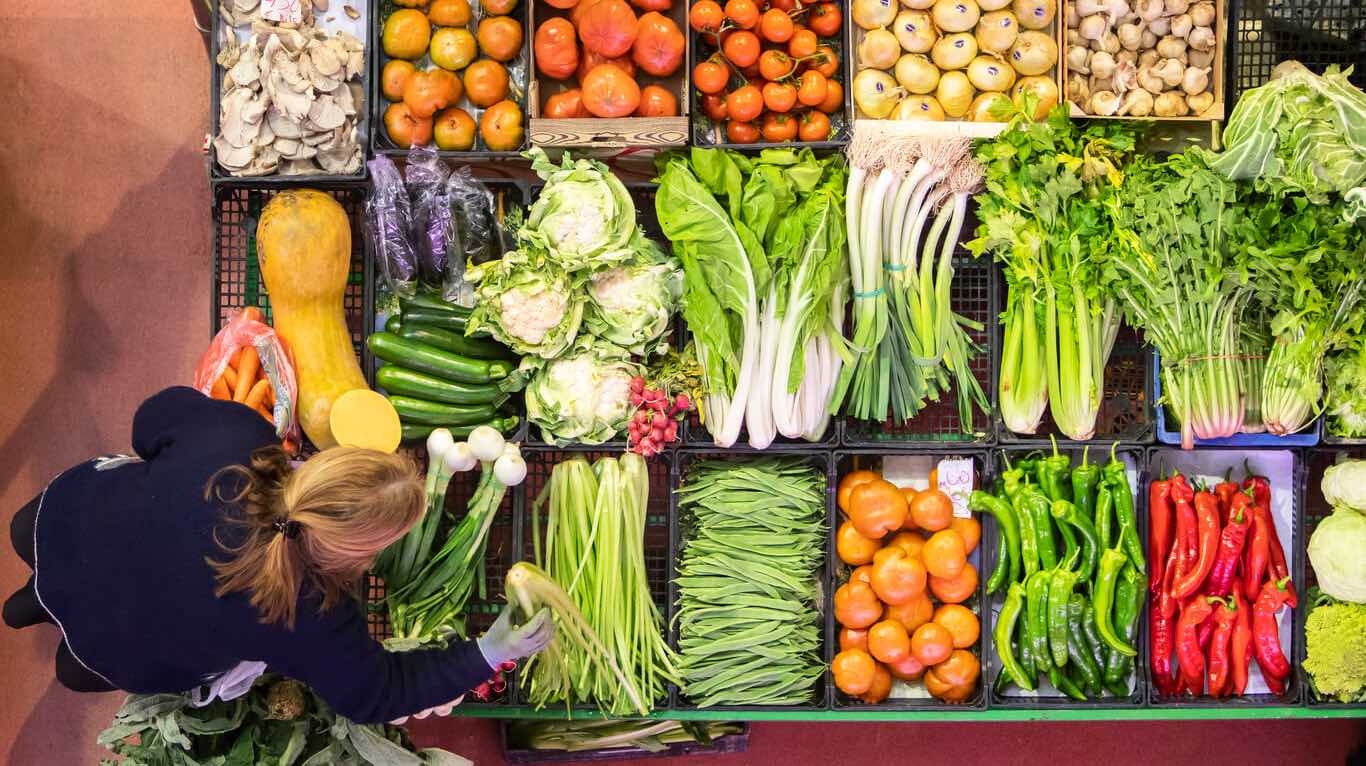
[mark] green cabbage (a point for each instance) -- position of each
(527, 304)
(583, 217)
(631, 304)
(585, 395)
(1337, 549)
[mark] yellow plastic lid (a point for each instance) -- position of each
(364, 418)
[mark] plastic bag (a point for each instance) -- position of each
(476, 235)
(248, 328)
(425, 176)
(388, 219)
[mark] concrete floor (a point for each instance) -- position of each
(104, 287)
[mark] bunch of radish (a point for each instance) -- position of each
(655, 424)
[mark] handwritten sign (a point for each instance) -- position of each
(286, 11)
(955, 480)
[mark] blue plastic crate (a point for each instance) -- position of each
(1165, 435)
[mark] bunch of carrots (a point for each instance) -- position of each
(243, 380)
(1218, 577)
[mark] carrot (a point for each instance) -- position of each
(230, 379)
(253, 314)
(220, 390)
(235, 360)
(257, 395)
(246, 374)
(265, 413)
(270, 392)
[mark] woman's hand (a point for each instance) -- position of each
(441, 710)
(505, 641)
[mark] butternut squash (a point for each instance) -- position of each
(303, 242)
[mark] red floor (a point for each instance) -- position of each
(104, 215)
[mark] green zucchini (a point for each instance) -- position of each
(429, 359)
(423, 412)
(400, 380)
(413, 433)
(424, 301)
(394, 324)
(475, 348)
(432, 318)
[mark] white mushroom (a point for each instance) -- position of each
(324, 114)
(230, 156)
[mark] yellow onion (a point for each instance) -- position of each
(919, 108)
(954, 93)
(876, 93)
(980, 110)
(954, 51)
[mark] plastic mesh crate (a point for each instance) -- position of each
(973, 297)
(1314, 32)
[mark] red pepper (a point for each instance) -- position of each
(1231, 542)
(1206, 631)
(1159, 531)
(1242, 640)
(1258, 486)
(1261, 497)
(1224, 619)
(1258, 554)
(1225, 490)
(1190, 579)
(1266, 636)
(1190, 660)
(1160, 650)
(1183, 541)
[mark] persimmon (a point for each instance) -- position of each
(501, 127)
(957, 589)
(851, 638)
(741, 131)
(961, 667)
(486, 82)
(862, 574)
(888, 641)
(406, 34)
(876, 507)
(744, 104)
(960, 622)
(856, 606)
(932, 509)
(944, 553)
(896, 577)
(563, 5)
(449, 13)
(454, 130)
(498, 7)
(653, 5)
(931, 643)
(946, 692)
(657, 101)
(452, 49)
(853, 670)
(609, 92)
(394, 77)
(659, 45)
(970, 529)
(500, 38)
(706, 16)
(815, 126)
(852, 547)
(880, 688)
(406, 129)
(428, 92)
(775, 26)
(565, 105)
(911, 542)
(590, 59)
(847, 484)
(557, 49)
(834, 97)
(608, 27)
(911, 614)
(909, 669)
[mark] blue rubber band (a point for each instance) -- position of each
(871, 294)
(895, 267)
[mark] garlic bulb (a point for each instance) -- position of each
(1102, 64)
(1092, 27)
(1171, 71)
(1130, 36)
(1148, 58)
(1200, 102)
(1200, 59)
(1109, 42)
(1130, 57)
(1202, 14)
(1181, 25)
(1201, 38)
(1103, 103)
(1125, 77)
(1078, 59)
(1078, 92)
(1147, 41)
(1137, 103)
(1160, 26)
(1176, 7)
(1151, 10)
(1149, 80)
(1195, 80)
(1171, 47)
(1170, 104)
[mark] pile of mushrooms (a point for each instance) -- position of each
(1154, 58)
(291, 97)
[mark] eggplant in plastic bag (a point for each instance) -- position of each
(388, 219)
(426, 176)
(477, 235)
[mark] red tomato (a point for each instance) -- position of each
(834, 97)
(608, 27)
(744, 103)
(779, 97)
(656, 101)
(813, 126)
(775, 26)
(786, 6)
(588, 59)
(609, 92)
(557, 51)
(741, 132)
(710, 77)
(811, 88)
(659, 45)
(775, 65)
(706, 16)
(653, 5)
(744, 13)
(568, 104)
(714, 106)
(825, 19)
(779, 128)
(802, 44)
(741, 48)
(828, 62)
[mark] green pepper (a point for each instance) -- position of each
(1007, 568)
(1069, 516)
(1085, 479)
(1103, 599)
(1036, 618)
(1029, 541)
(1124, 510)
(1129, 597)
(1065, 685)
(1039, 508)
(1070, 549)
(1029, 466)
(1100, 653)
(1060, 587)
(1105, 504)
(1077, 647)
(1053, 475)
(1004, 630)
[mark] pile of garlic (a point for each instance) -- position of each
(1155, 58)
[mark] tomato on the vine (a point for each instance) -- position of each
(813, 126)
(834, 97)
(811, 88)
(779, 127)
(825, 19)
(802, 44)
(775, 65)
(706, 16)
(744, 13)
(775, 26)
(827, 61)
(741, 48)
(786, 6)
(744, 103)
(714, 106)
(741, 132)
(710, 77)
(780, 97)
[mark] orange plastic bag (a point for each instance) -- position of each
(247, 329)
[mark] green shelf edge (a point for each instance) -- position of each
(833, 716)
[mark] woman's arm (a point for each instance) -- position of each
(181, 412)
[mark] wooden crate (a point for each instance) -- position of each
(608, 133)
(1215, 112)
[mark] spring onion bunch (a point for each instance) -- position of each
(749, 622)
(907, 339)
(594, 550)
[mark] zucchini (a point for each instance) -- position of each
(432, 318)
(400, 380)
(424, 301)
(412, 433)
(429, 359)
(423, 412)
(393, 324)
(475, 348)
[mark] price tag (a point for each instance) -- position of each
(955, 480)
(285, 11)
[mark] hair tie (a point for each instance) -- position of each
(290, 529)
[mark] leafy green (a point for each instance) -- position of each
(583, 217)
(1345, 402)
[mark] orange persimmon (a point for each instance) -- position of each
(961, 624)
(945, 554)
(876, 507)
(853, 639)
(909, 669)
(880, 688)
(856, 605)
(911, 614)
(962, 667)
(910, 542)
(847, 484)
(888, 641)
(854, 670)
(970, 529)
(932, 510)
(955, 590)
(897, 578)
(931, 643)
(852, 547)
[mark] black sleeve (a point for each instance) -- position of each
(335, 656)
(182, 413)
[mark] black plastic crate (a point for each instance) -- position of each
(1136, 460)
(1288, 478)
(379, 141)
(237, 281)
(974, 297)
(729, 743)
(1315, 509)
(706, 133)
(540, 462)
(1316, 33)
(680, 525)
(364, 123)
(850, 460)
